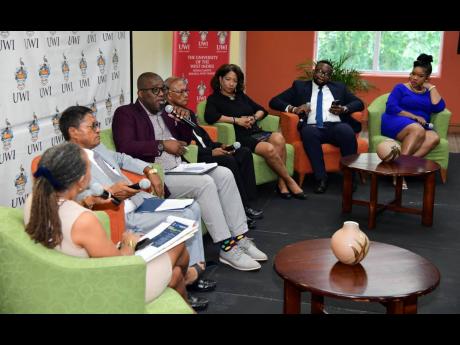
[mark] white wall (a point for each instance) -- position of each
(152, 52)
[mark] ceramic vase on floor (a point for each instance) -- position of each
(349, 244)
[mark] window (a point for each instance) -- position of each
(379, 51)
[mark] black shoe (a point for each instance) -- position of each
(251, 223)
(202, 285)
(253, 213)
(321, 186)
(283, 195)
(197, 303)
(301, 195)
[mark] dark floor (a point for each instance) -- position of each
(289, 221)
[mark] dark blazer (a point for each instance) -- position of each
(300, 93)
(134, 135)
(210, 145)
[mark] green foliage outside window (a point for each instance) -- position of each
(395, 50)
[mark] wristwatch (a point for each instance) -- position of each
(152, 171)
(160, 147)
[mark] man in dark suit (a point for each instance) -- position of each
(324, 108)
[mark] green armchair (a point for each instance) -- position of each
(38, 280)
(226, 135)
(440, 154)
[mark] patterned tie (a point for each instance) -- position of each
(319, 108)
(137, 199)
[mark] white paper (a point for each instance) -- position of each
(174, 204)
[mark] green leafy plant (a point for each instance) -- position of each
(349, 76)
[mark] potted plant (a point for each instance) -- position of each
(349, 76)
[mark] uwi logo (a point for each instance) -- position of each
(21, 75)
(83, 65)
(222, 36)
(44, 71)
(115, 60)
(7, 136)
(34, 128)
(4, 34)
(122, 98)
(201, 88)
(101, 62)
(55, 122)
(93, 107)
(184, 35)
(20, 182)
(108, 105)
(65, 68)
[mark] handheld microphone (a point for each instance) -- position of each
(236, 145)
(170, 110)
(142, 184)
(428, 125)
(98, 190)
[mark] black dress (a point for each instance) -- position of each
(240, 163)
(218, 104)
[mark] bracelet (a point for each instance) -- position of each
(234, 120)
(431, 88)
(293, 109)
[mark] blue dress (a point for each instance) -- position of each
(404, 99)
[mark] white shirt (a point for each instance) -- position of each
(168, 161)
(129, 205)
(327, 102)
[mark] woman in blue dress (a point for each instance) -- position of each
(409, 108)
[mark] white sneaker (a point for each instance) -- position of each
(248, 246)
(236, 258)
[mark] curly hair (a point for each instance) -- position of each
(424, 61)
(64, 165)
(223, 71)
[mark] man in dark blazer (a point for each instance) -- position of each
(145, 131)
(324, 108)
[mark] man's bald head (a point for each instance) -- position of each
(144, 80)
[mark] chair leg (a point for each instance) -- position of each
(301, 179)
(444, 175)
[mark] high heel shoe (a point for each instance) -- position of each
(285, 195)
(300, 195)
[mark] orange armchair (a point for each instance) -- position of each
(116, 213)
(331, 153)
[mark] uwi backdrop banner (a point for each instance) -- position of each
(41, 74)
(196, 57)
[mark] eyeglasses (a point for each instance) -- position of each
(326, 74)
(96, 125)
(181, 92)
(156, 90)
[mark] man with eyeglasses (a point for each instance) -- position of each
(324, 108)
(145, 131)
(79, 125)
(240, 161)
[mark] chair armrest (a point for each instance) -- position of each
(191, 154)
(270, 123)
(441, 122)
(226, 133)
(212, 132)
(289, 123)
(358, 116)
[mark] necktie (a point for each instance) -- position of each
(319, 108)
(137, 199)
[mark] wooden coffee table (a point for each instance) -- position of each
(403, 166)
(393, 276)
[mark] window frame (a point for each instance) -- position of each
(375, 73)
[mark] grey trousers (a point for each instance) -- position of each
(219, 199)
(145, 221)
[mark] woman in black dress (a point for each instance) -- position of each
(228, 103)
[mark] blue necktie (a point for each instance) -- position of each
(319, 108)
